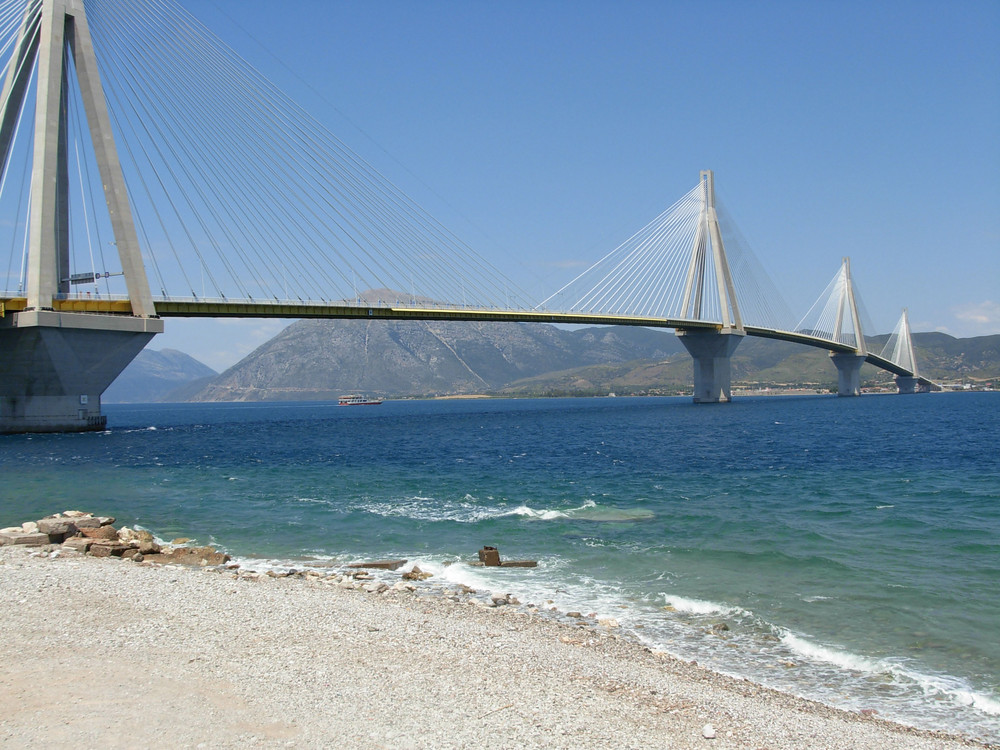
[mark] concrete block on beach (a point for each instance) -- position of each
(101, 532)
(29, 539)
(55, 525)
(189, 556)
(83, 520)
(490, 558)
(78, 543)
(95, 535)
(107, 548)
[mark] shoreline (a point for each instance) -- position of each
(99, 647)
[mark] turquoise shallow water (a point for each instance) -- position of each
(850, 545)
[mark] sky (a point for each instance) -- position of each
(545, 133)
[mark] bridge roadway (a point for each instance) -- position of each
(222, 308)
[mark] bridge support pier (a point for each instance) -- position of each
(711, 352)
(55, 366)
(911, 384)
(848, 373)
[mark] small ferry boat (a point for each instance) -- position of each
(354, 400)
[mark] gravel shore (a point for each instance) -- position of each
(114, 654)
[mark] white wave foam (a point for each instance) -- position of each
(542, 515)
(931, 685)
(467, 511)
(698, 606)
(842, 659)
(463, 574)
(589, 511)
(423, 509)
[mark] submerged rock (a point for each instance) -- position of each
(380, 564)
(416, 574)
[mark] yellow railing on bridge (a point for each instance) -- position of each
(103, 305)
(223, 308)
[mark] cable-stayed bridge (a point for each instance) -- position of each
(148, 172)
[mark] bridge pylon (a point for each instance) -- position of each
(848, 323)
(711, 350)
(902, 354)
(55, 365)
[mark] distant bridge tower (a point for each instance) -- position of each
(54, 364)
(847, 330)
(902, 354)
(711, 350)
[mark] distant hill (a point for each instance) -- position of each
(323, 359)
(766, 363)
(153, 375)
(944, 357)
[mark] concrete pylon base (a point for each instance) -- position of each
(711, 352)
(848, 373)
(55, 366)
(909, 384)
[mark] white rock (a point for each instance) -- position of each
(29, 527)
(609, 622)
(708, 732)
(127, 535)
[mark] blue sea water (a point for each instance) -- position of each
(849, 545)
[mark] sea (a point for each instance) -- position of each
(844, 550)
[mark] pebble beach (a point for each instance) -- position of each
(110, 652)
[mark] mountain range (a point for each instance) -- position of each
(323, 359)
(154, 375)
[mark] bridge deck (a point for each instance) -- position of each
(193, 308)
(250, 309)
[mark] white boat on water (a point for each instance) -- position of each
(355, 400)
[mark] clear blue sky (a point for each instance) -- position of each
(544, 133)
